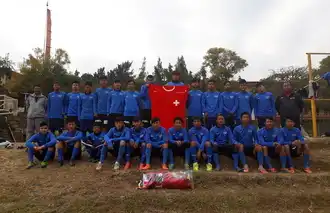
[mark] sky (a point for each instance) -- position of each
(268, 34)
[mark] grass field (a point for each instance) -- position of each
(82, 189)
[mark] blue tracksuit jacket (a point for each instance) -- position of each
(221, 136)
(229, 103)
(101, 100)
(47, 140)
(194, 103)
(290, 135)
(96, 139)
(131, 103)
(72, 104)
(171, 83)
(116, 101)
(267, 137)
(56, 105)
(199, 135)
(245, 103)
(70, 137)
(264, 105)
(211, 103)
(177, 135)
(117, 135)
(86, 106)
(144, 93)
(156, 137)
(246, 135)
(138, 135)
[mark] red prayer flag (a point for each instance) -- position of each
(168, 102)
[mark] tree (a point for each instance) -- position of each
(6, 68)
(159, 72)
(288, 74)
(181, 67)
(122, 72)
(223, 63)
(142, 74)
(76, 73)
(88, 77)
(168, 72)
(99, 73)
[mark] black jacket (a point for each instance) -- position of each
(289, 106)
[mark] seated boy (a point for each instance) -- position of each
(116, 139)
(198, 137)
(137, 140)
(42, 146)
(293, 142)
(69, 143)
(247, 143)
(94, 142)
(178, 140)
(221, 140)
(156, 138)
(268, 138)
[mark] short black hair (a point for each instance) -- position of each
(197, 119)
(178, 119)
(97, 123)
(269, 118)
(88, 83)
(56, 82)
(226, 82)
(75, 82)
(70, 120)
(175, 73)
(195, 80)
(242, 81)
(116, 81)
(289, 118)
(219, 114)
(136, 118)
(131, 80)
(36, 85)
(154, 120)
(103, 77)
(259, 84)
(150, 77)
(211, 81)
(245, 113)
(43, 123)
(119, 118)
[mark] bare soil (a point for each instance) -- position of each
(82, 189)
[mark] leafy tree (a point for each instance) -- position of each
(223, 63)
(76, 73)
(181, 67)
(168, 72)
(88, 77)
(6, 67)
(159, 72)
(99, 73)
(142, 74)
(288, 74)
(122, 72)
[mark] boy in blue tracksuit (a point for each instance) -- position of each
(268, 138)
(222, 140)
(211, 104)
(116, 139)
(156, 138)
(178, 141)
(198, 137)
(71, 103)
(194, 102)
(42, 146)
(69, 143)
(293, 142)
(56, 109)
(101, 102)
(115, 103)
(131, 103)
(175, 79)
(94, 142)
(137, 141)
(264, 105)
(145, 99)
(245, 101)
(86, 109)
(229, 103)
(247, 143)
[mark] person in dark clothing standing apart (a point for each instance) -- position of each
(290, 105)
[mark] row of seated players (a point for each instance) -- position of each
(121, 141)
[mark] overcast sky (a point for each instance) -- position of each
(269, 34)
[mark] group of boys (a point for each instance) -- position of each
(218, 123)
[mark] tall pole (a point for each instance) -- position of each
(313, 107)
(48, 34)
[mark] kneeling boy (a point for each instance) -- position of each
(42, 146)
(94, 142)
(116, 139)
(221, 140)
(178, 140)
(156, 137)
(247, 143)
(268, 138)
(69, 144)
(293, 143)
(138, 134)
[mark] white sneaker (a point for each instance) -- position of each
(99, 166)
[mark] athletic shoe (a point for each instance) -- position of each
(71, 163)
(195, 166)
(95, 160)
(127, 166)
(171, 166)
(272, 170)
(99, 166)
(30, 165)
(308, 170)
(61, 162)
(291, 170)
(146, 167)
(44, 164)
(116, 166)
(141, 166)
(164, 167)
(262, 171)
(217, 168)
(284, 170)
(186, 167)
(209, 167)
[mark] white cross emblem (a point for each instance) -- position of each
(176, 102)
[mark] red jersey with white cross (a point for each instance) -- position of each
(168, 102)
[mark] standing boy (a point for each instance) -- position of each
(115, 103)
(101, 102)
(131, 103)
(245, 100)
(211, 104)
(146, 104)
(229, 103)
(86, 109)
(194, 103)
(71, 103)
